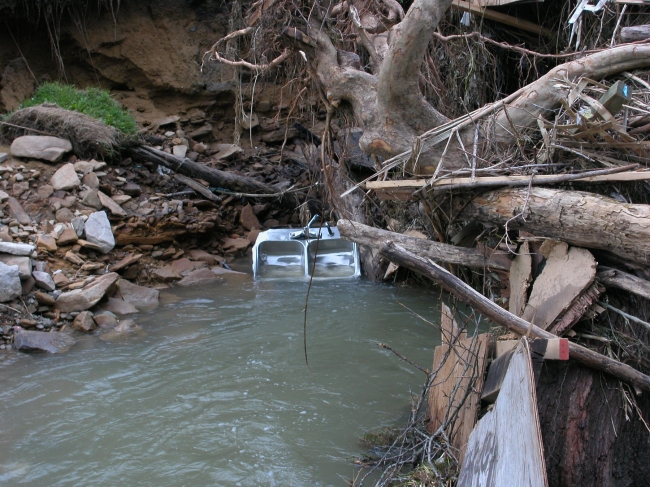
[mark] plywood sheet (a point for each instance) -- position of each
(505, 448)
(567, 273)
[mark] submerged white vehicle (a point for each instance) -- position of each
(296, 254)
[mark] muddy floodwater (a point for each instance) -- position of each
(215, 391)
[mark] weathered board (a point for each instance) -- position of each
(567, 273)
(520, 277)
(459, 360)
(505, 448)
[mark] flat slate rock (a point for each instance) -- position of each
(98, 231)
(38, 341)
(86, 298)
(16, 248)
(65, 178)
(198, 277)
(43, 147)
(141, 297)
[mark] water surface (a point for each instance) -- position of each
(216, 392)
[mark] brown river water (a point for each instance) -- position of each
(215, 390)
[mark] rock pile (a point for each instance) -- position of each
(82, 244)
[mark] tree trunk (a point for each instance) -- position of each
(588, 440)
(581, 219)
(439, 252)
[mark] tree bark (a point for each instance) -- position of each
(622, 280)
(581, 219)
(436, 251)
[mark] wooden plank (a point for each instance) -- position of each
(541, 179)
(506, 446)
(576, 310)
(502, 18)
(460, 364)
(493, 311)
(520, 277)
(567, 273)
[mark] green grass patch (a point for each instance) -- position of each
(94, 102)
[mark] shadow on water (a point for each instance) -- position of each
(215, 390)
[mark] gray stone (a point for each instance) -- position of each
(24, 264)
(45, 191)
(91, 180)
(44, 280)
(98, 231)
(42, 147)
(16, 248)
(141, 297)
(88, 166)
(65, 178)
(10, 287)
(64, 215)
(89, 296)
(111, 205)
(179, 150)
(38, 341)
(119, 307)
(3, 157)
(3, 196)
(105, 319)
(79, 225)
(199, 277)
(90, 198)
(225, 151)
(84, 322)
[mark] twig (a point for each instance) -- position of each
(624, 314)
(405, 359)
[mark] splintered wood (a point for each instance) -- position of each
(506, 446)
(459, 364)
(567, 273)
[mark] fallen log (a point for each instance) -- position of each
(581, 219)
(449, 254)
(622, 280)
(215, 177)
(635, 33)
(499, 315)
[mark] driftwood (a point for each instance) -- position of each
(449, 254)
(622, 280)
(198, 187)
(482, 304)
(219, 179)
(582, 219)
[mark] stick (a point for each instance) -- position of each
(622, 280)
(482, 304)
(198, 187)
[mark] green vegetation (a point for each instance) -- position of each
(93, 102)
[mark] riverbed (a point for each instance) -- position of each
(216, 391)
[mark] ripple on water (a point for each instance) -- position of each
(217, 391)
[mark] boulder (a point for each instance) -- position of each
(98, 231)
(24, 264)
(199, 277)
(65, 178)
(16, 248)
(38, 341)
(84, 322)
(10, 287)
(44, 280)
(141, 297)
(46, 148)
(86, 298)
